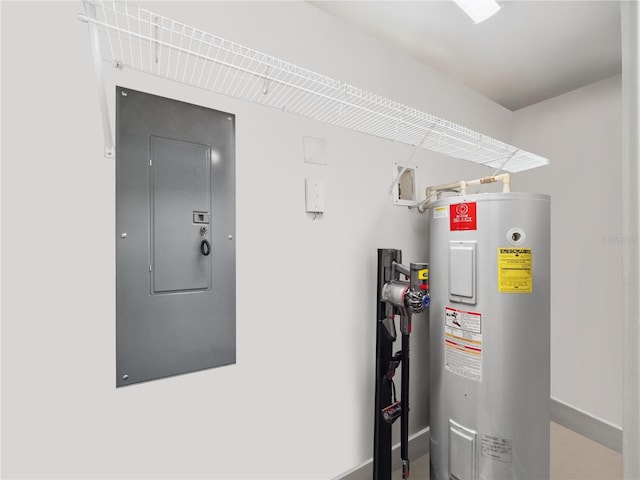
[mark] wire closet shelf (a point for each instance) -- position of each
(137, 38)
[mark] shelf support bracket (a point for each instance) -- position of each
(109, 145)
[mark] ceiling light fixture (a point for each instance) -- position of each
(478, 10)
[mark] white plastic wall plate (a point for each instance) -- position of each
(314, 196)
(315, 150)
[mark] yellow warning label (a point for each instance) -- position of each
(423, 274)
(514, 270)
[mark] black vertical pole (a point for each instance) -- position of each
(404, 389)
(384, 352)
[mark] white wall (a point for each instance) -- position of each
(306, 289)
(581, 133)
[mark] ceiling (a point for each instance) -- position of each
(527, 52)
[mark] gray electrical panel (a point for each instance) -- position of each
(175, 237)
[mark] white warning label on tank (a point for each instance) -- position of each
(496, 448)
(441, 212)
(463, 343)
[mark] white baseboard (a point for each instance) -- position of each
(418, 447)
(586, 425)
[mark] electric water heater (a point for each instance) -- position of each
(489, 337)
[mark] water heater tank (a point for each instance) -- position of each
(489, 337)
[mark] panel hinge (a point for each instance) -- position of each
(151, 162)
(150, 269)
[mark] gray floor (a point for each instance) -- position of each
(572, 457)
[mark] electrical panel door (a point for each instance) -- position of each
(180, 187)
(175, 252)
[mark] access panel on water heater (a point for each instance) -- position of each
(463, 272)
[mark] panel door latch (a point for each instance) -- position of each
(201, 217)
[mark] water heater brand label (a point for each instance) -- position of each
(463, 343)
(462, 216)
(515, 270)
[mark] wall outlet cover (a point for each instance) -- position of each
(314, 196)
